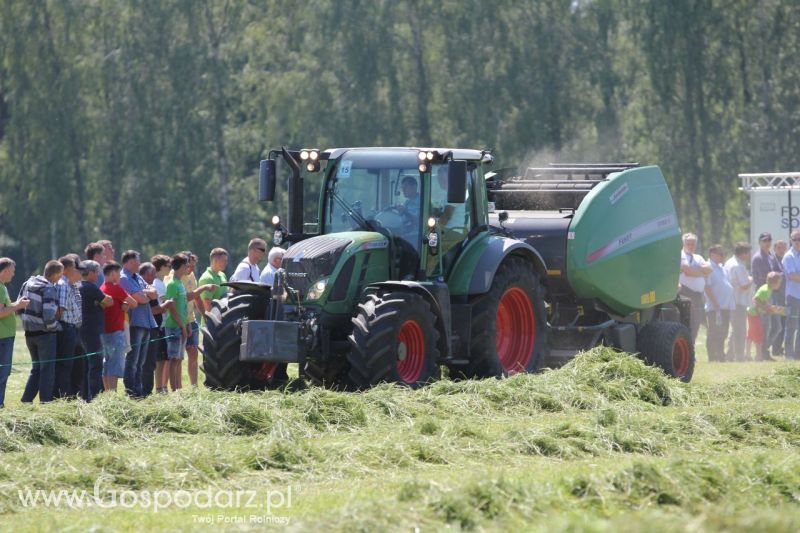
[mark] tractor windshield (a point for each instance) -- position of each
(375, 191)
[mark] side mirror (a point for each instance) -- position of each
(266, 180)
(456, 182)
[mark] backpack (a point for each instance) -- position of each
(40, 315)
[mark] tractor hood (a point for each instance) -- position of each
(315, 258)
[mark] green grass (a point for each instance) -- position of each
(602, 444)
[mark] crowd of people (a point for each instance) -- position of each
(750, 299)
(90, 321)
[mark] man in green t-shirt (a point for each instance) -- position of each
(214, 274)
(177, 325)
(757, 311)
(8, 324)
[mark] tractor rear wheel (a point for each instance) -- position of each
(221, 343)
(509, 325)
(668, 345)
(394, 340)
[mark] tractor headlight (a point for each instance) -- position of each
(317, 290)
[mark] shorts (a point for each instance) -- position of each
(176, 344)
(158, 344)
(113, 354)
(755, 330)
(194, 337)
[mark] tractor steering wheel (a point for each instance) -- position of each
(394, 217)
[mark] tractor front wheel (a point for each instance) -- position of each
(394, 340)
(222, 341)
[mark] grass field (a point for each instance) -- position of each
(602, 444)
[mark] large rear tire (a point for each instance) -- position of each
(394, 340)
(668, 345)
(221, 343)
(509, 324)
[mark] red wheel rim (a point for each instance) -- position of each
(680, 357)
(411, 351)
(515, 330)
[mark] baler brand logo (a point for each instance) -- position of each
(619, 193)
(297, 274)
(639, 232)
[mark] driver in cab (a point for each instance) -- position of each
(411, 192)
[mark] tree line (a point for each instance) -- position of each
(143, 121)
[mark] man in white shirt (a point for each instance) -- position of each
(719, 304)
(742, 283)
(694, 270)
(273, 263)
(247, 270)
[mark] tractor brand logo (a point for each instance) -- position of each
(374, 245)
(297, 274)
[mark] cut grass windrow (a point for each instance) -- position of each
(612, 434)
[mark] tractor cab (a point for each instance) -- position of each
(418, 203)
(404, 198)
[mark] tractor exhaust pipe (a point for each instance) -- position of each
(295, 219)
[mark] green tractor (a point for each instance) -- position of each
(422, 258)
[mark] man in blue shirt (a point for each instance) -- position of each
(791, 269)
(141, 321)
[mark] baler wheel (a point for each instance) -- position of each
(668, 345)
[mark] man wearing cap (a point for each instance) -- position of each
(764, 262)
(93, 301)
(694, 270)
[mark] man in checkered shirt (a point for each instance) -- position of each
(69, 305)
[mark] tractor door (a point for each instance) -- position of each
(455, 221)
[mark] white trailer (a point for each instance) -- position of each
(774, 204)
